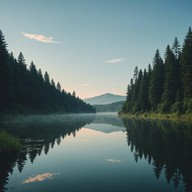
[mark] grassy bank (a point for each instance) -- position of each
(166, 116)
(9, 143)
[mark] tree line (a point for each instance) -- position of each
(26, 90)
(166, 86)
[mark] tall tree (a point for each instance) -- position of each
(143, 92)
(156, 81)
(176, 48)
(136, 73)
(21, 61)
(170, 83)
(47, 78)
(5, 79)
(186, 65)
(53, 83)
(59, 87)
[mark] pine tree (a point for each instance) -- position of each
(186, 65)
(5, 79)
(26, 90)
(58, 87)
(137, 101)
(156, 81)
(143, 92)
(53, 83)
(136, 73)
(46, 78)
(176, 48)
(34, 100)
(170, 83)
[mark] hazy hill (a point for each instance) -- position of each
(112, 107)
(105, 99)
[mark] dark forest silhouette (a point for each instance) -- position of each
(166, 87)
(27, 90)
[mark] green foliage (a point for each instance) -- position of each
(26, 90)
(164, 107)
(186, 65)
(156, 81)
(177, 108)
(8, 143)
(167, 86)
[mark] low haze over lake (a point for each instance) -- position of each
(95, 96)
(97, 153)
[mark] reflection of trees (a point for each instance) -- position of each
(37, 137)
(7, 164)
(166, 145)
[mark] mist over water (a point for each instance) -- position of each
(97, 152)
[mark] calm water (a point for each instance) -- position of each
(75, 153)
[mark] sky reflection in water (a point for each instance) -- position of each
(92, 159)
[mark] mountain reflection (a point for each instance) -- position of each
(166, 145)
(38, 134)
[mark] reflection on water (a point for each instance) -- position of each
(91, 150)
(166, 145)
(37, 133)
(39, 178)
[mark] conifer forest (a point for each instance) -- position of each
(166, 86)
(25, 89)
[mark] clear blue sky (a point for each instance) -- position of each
(93, 46)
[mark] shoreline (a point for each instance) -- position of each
(158, 116)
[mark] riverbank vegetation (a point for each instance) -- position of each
(9, 144)
(24, 89)
(166, 86)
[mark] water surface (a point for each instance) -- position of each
(97, 153)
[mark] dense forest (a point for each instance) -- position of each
(166, 86)
(26, 90)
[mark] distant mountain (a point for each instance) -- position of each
(112, 107)
(105, 99)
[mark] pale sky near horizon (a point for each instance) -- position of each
(92, 46)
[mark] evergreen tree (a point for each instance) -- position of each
(58, 87)
(27, 90)
(5, 86)
(186, 65)
(143, 92)
(136, 73)
(171, 83)
(176, 48)
(137, 101)
(46, 78)
(168, 85)
(156, 81)
(52, 83)
(21, 60)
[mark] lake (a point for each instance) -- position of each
(97, 152)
